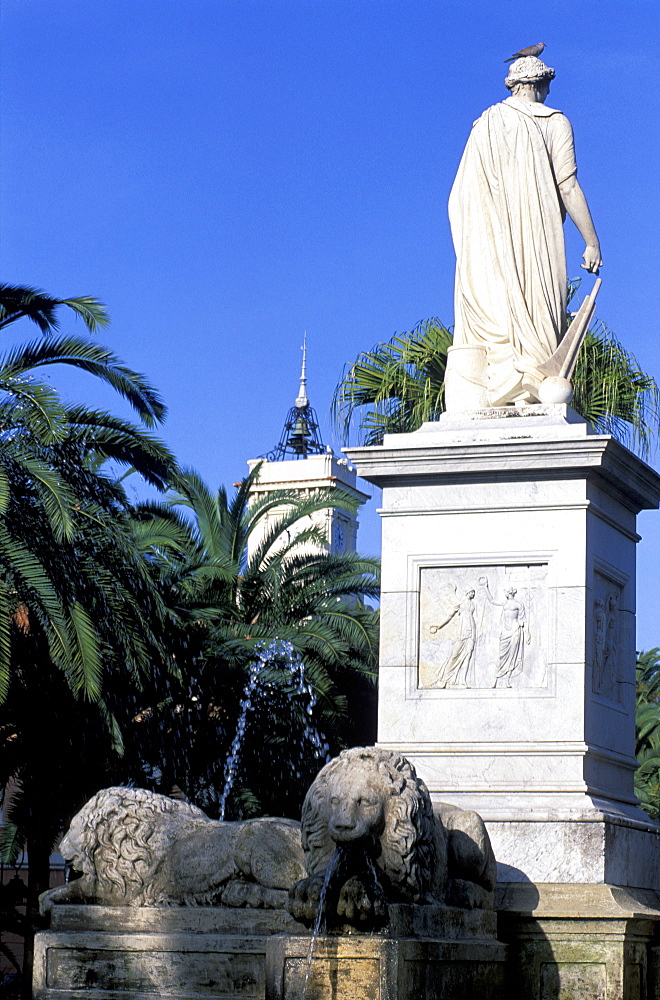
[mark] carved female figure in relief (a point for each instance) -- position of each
(605, 645)
(610, 677)
(513, 636)
(455, 672)
(599, 645)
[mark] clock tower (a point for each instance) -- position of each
(300, 461)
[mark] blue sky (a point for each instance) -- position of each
(225, 174)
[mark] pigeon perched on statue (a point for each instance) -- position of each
(531, 50)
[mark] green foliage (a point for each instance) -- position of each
(647, 732)
(613, 393)
(19, 301)
(241, 580)
(54, 495)
(403, 380)
(76, 352)
(81, 619)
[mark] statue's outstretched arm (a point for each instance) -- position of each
(483, 582)
(575, 204)
(436, 628)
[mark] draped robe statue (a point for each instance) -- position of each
(515, 182)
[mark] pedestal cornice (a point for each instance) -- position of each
(597, 458)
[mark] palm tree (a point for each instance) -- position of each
(50, 484)
(647, 727)
(81, 621)
(399, 385)
(280, 594)
(396, 386)
(613, 393)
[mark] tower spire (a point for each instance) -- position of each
(302, 399)
(301, 436)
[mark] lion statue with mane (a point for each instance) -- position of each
(138, 848)
(371, 836)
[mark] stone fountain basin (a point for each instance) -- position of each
(124, 953)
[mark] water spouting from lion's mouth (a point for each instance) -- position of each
(320, 922)
(345, 860)
(70, 872)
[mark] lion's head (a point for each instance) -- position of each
(371, 794)
(119, 837)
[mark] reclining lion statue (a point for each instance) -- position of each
(138, 848)
(392, 845)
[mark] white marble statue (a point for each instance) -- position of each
(515, 184)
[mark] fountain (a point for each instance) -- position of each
(404, 890)
(398, 896)
(278, 651)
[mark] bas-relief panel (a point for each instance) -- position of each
(483, 627)
(606, 639)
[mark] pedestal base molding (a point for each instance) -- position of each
(580, 942)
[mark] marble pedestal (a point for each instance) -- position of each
(507, 666)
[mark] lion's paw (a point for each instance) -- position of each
(250, 894)
(304, 899)
(50, 897)
(81, 890)
(468, 895)
(362, 904)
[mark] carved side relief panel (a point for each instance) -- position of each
(606, 638)
(483, 627)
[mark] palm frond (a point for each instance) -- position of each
(108, 437)
(11, 843)
(192, 492)
(613, 393)
(93, 358)
(56, 497)
(31, 405)
(403, 380)
(5, 640)
(18, 301)
(87, 660)
(647, 731)
(161, 532)
(5, 491)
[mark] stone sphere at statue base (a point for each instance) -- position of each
(555, 389)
